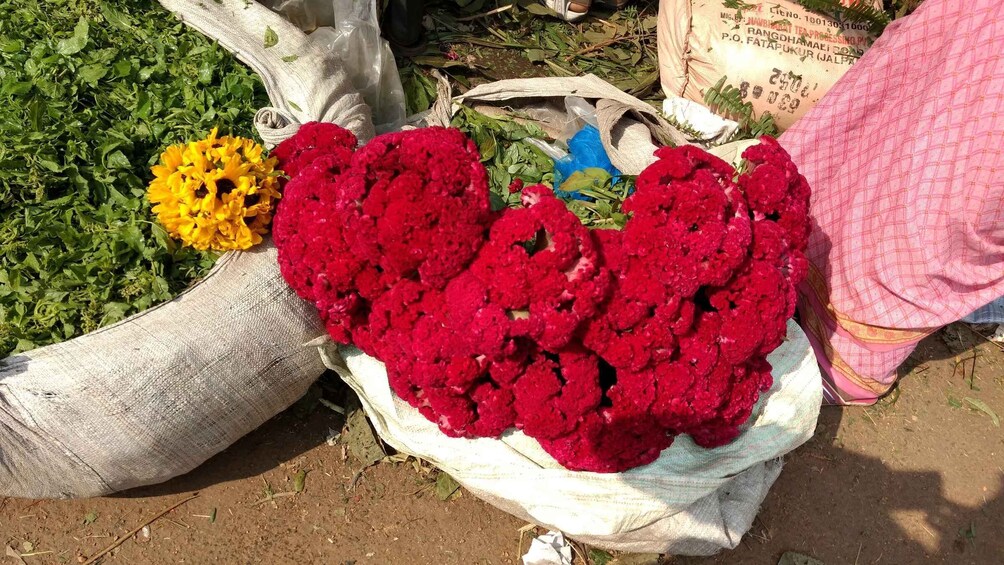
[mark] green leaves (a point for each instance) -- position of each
(76, 42)
(586, 180)
(605, 195)
(541, 10)
(599, 557)
(11, 45)
(117, 160)
(299, 480)
(90, 93)
(506, 153)
(981, 406)
(727, 101)
(90, 518)
(536, 55)
(91, 74)
(793, 558)
(419, 89)
(271, 38)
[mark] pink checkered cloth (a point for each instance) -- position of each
(905, 157)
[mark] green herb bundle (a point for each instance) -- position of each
(592, 194)
(506, 153)
(90, 93)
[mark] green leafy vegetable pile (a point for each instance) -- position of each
(90, 93)
(509, 157)
(506, 153)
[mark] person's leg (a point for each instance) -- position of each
(403, 25)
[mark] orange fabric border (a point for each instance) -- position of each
(813, 323)
(861, 332)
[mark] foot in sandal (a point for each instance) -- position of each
(568, 10)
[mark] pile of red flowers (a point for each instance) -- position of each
(601, 344)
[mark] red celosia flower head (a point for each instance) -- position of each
(776, 191)
(313, 140)
(689, 225)
(542, 266)
(418, 203)
(556, 392)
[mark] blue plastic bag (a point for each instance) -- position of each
(585, 151)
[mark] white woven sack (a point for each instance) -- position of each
(690, 501)
(630, 129)
(156, 395)
(305, 83)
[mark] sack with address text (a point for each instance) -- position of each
(782, 57)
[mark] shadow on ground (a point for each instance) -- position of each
(916, 479)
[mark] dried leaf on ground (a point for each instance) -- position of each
(446, 486)
(599, 557)
(981, 406)
(362, 440)
(637, 559)
(793, 558)
(300, 480)
(13, 554)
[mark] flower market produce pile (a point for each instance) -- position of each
(90, 94)
(601, 344)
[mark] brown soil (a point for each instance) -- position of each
(914, 479)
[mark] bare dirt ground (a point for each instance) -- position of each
(915, 479)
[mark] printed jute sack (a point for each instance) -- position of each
(782, 57)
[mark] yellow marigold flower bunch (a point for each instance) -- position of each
(217, 193)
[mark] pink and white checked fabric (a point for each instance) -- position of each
(905, 157)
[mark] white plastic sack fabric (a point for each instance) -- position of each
(304, 80)
(549, 549)
(350, 30)
(690, 501)
(630, 129)
(705, 126)
(156, 395)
